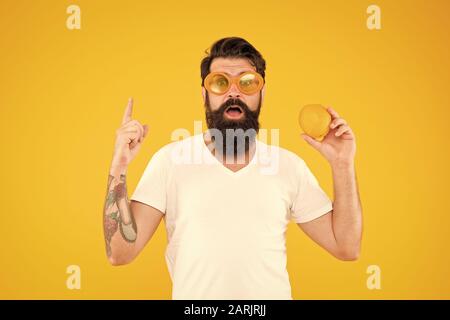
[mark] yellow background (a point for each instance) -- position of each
(63, 92)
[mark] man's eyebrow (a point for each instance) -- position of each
(237, 74)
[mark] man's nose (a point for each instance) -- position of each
(234, 91)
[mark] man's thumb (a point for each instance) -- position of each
(311, 141)
(145, 130)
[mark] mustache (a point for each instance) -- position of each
(231, 102)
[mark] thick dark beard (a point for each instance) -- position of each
(241, 133)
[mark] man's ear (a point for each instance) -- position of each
(204, 94)
(263, 92)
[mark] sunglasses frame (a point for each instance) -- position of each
(232, 80)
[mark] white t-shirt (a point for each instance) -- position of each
(225, 229)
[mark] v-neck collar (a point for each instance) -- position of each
(222, 166)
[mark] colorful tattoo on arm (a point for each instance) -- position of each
(117, 212)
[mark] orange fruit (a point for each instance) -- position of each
(314, 119)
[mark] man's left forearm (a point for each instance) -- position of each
(347, 212)
(339, 148)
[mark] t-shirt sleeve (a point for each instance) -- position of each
(152, 186)
(310, 201)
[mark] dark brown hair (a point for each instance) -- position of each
(233, 47)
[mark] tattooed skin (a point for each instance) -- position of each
(117, 213)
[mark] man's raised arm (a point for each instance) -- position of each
(127, 226)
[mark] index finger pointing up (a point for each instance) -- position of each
(128, 111)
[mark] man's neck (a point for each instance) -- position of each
(236, 162)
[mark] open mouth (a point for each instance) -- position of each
(234, 112)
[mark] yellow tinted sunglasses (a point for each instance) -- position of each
(248, 82)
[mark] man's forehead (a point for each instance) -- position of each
(231, 66)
